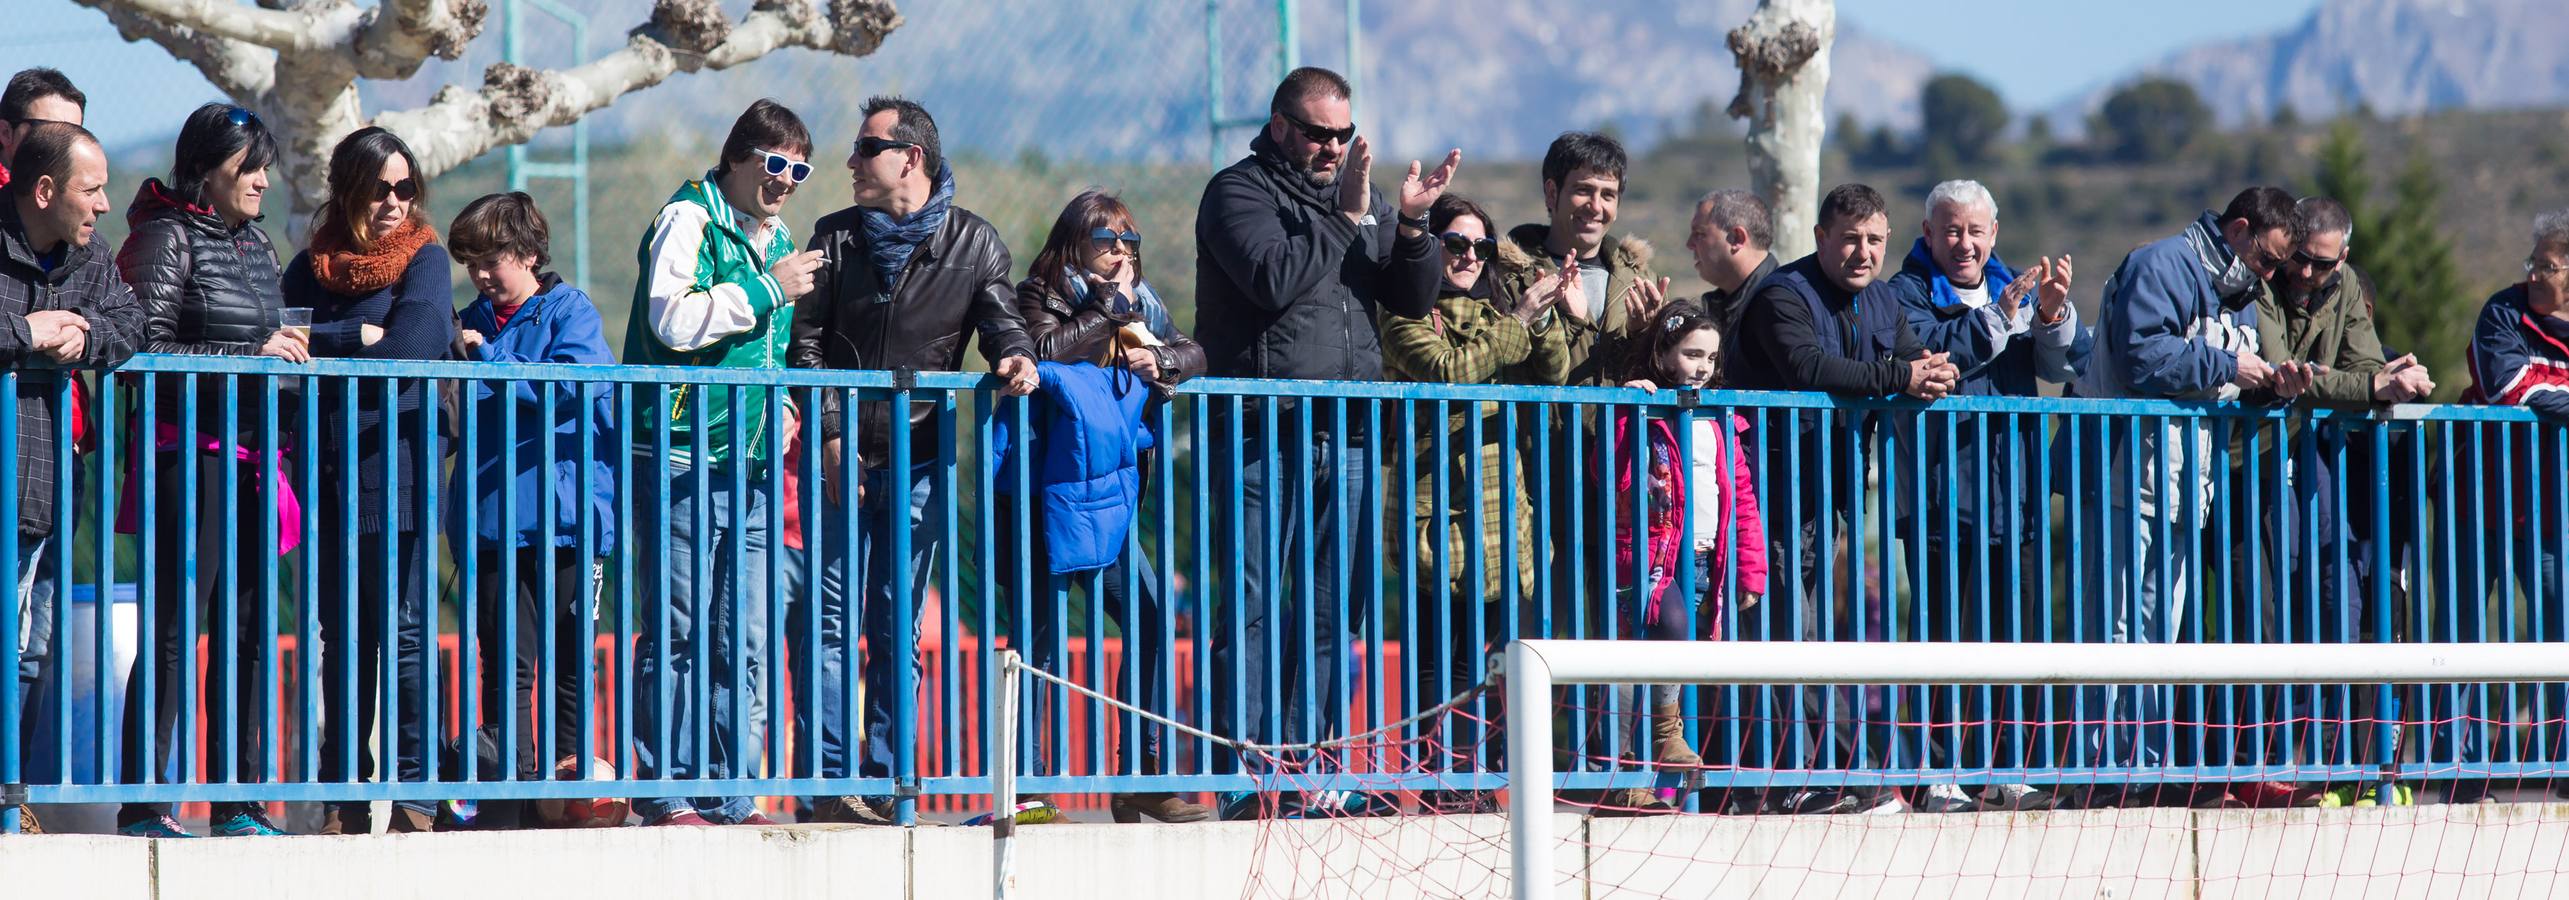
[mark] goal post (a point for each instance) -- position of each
(1534, 667)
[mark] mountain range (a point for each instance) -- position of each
(1127, 80)
(2396, 57)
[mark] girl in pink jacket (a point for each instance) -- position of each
(1715, 492)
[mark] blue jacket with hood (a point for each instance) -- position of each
(1088, 441)
(557, 325)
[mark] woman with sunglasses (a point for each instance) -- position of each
(1466, 338)
(207, 279)
(1085, 300)
(378, 286)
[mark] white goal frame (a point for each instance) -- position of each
(1534, 668)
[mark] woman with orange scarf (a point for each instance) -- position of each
(379, 287)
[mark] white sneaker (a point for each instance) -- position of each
(1947, 798)
(2018, 798)
(1886, 803)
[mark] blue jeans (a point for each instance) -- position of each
(1284, 668)
(873, 547)
(714, 595)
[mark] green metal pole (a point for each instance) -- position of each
(1213, 82)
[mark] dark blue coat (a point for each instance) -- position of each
(557, 325)
(418, 318)
(1089, 439)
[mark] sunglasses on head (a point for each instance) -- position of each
(1457, 244)
(777, 164)
(241, 117)
(1319, 135)
(1105, 239)
(406, 189)
(872, 147)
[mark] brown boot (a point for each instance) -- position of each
(1668, 730)
(27, 823)
(410, 821)
(1628, 802)
(346, 818)
(1160, 806)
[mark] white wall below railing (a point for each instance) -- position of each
(2499, 850)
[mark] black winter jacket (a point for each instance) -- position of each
(205, 288)
(1286, 287)
(953, 286)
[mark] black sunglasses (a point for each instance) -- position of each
(2323, 265)
(241, 118)
(1456, 244)
(406, 189)
(1105, 239)
(1317, 134)
(778, 164)
(872, 147)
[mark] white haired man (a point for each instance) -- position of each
(1975, 570)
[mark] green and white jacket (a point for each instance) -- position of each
(705, 299)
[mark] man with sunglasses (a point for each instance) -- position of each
(2179, 322)
(911, 277)
(1297, 258)
(719, 283)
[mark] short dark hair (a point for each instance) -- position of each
(31, 85)
(911, 123)
(209, 138)
(1304, 82)
(2266, 209)
(356, 165)
(1856, 202)
(1441, 216)
(47, 152)
(765, 125)
(1575, 150)
(1734, 208)
(501, 223)
(2320, 215)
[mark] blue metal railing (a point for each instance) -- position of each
(497, 568)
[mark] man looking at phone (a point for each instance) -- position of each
(720, 279)
(908, 278)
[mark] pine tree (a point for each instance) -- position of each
(2418, 303)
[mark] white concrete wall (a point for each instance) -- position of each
(2402, 852)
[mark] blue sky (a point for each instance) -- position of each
(2035, 52)
(2040, 52)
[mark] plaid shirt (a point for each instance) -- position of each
(84, 281)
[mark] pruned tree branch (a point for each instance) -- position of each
(514, 102)
(312, 27)
(240, 69)
(401, 34)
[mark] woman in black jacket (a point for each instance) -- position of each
(1085, 301)
(378, 286)
(207, 280)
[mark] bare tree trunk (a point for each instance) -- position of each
(1783, 56)
(297, 63)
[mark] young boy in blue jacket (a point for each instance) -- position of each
(535, 525)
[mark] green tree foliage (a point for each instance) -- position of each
(2149, 121)
(2418, 302)
(1963, 118)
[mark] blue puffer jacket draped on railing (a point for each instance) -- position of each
(1089, 436)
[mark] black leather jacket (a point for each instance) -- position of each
(1064, 335)
(953, 286)
(205, 288)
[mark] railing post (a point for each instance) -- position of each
(1529, 710)
(13, 794)
(1003, 775)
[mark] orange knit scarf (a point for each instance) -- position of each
(348, 271)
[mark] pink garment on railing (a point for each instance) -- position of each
(129, 507)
